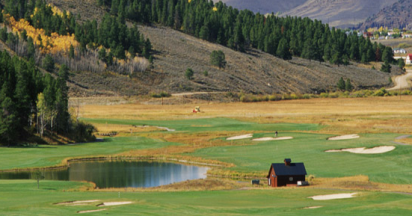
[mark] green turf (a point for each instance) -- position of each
(49, 155)
(390, 167)
(212, 124)
(21, 197)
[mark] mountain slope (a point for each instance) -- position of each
(393, 16)
(250, 72)
(265, 6)
(339, 13)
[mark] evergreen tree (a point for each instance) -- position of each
(341, 84)
(386, 67)
(217, 58)
(348, 85)
(189, 73)
(283, 50)
(71, 52)
(48, 63)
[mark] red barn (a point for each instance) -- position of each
(286, 174)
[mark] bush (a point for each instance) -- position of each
(217, 58)
(160, 95)
(189, 73)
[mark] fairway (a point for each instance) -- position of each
(21, 197)
(51, 155)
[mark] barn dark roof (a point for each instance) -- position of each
(282, 169)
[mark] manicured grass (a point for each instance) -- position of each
(21, 197)
(390, 167)
(211, 124)
(49, 155)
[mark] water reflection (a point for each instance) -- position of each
(120, 173)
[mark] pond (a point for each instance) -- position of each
(119, 174)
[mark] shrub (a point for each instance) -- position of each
(189, 73)
(217, 58)
(160, 95)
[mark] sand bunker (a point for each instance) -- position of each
(313, 207)
(165, 128)
(333, 196)
(246, 136)
(89, 211)
(344, 137)
(114, 203)
(363, 150)
(272, 138)
(84, 202)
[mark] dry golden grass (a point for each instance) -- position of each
(127, 129)
(358, 183)
(406, 141)
(376, 65)
(345, 115)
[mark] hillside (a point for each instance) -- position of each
(265, 6)
(393, 16)
(251, 72)
(339, 13)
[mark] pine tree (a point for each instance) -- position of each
(348, 85)
(48, 63)
(71, 52)
(283, 50)
(217, 58)
(341, 84)
(189, 73)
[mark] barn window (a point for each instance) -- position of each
(269, 182)
(290, 178)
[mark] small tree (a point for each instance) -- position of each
(348, 85)
(189, 73)
(217, 58)
(71, 52)
(386, 67)
(38, 176)
(48, 63)
(401, 63)
(205, 73)
(341, 84)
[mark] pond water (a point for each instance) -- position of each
(120, 173)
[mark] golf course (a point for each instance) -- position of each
(356, 151)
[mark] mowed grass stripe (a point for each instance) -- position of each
(211, 124)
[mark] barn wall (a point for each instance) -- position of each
(284, 180)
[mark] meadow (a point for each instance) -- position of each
(382, 181)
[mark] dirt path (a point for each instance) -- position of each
(402, 81)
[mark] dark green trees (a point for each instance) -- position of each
(242, 29)
(217, 58)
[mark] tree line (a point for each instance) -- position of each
(112, 33)
(31, 102)
(283, 37)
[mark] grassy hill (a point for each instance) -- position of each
(251, 72)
